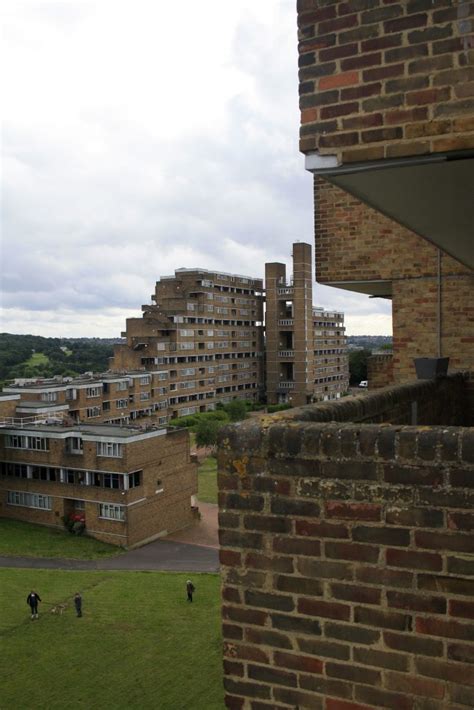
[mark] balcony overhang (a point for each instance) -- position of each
(431, 195)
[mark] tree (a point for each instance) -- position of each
(236, 410)
(206, 432)
(358, 365)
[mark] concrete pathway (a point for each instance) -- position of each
(194, 549)
(159, 555)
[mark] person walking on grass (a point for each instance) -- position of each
(190, 589)
(78, 604)
(32, 599)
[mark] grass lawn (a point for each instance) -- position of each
(37, 359)
(27, 540)
(139, 644)
(207, 480)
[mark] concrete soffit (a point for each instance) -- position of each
(432, 195)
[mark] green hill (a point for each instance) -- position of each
(35, 356)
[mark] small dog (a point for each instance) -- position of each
(58, 609)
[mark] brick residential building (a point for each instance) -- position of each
(346, 528)
(204, 329)
(200, 343)
(130, 485)
(305, 347)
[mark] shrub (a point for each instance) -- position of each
(206, 432)
(277, 407)
(236, 410)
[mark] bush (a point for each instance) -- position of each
(206, 432)
(236, 410)
(277, 407)
(74, 523)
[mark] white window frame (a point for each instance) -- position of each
(109, 449)
(110, 511)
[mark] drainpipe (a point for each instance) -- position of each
(439, 304)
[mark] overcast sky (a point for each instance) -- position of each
(144, 136)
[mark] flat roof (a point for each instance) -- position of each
(108, 431)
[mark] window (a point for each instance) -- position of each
(29, 500)
(18, 470)
(107, 448)
(92, 412)
(49, 396)
(111, 512)
(37, 443)
(134, 479)
(144, 396)
(185, 346)
(121, 403)
(74, 445)
(93, 391)
(123, 385)
(145, 380)
(186, 333)
(44, 473)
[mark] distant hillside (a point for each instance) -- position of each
(35, 356)
(369, 342)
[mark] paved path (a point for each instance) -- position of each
(194, 549)
(161, 555)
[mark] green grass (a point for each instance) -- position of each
(207, 480)
(28, 540)
(37, 359)
(140, 644)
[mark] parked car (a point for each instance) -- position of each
(363, 383)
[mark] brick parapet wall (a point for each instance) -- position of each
(383, 79)
(442, 401)
(380, 370)
(348, 565)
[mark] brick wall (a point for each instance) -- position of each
(380, 370)
(356, 243)
(381, 79)
(348, 565)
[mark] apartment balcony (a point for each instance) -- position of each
(286, 353)
(286, 291)
(285, 322)
(288, 385)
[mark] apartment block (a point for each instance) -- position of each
(201, 342)
(101, 398)
(205, 329)
(305, 347)
(129, 484)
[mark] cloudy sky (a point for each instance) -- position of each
(143, 136)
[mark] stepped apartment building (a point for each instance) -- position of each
(205, 330)
(129, 485)
(202, 342)
(306, 357)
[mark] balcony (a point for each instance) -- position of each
(286, 291)
(285, 322)
(286, 353)
(289, 385)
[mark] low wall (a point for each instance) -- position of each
(348, 563)
(380, 370)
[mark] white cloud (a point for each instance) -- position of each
(144, 137)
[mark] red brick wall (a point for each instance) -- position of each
(356, 243)
(385, 79)
(348, 566)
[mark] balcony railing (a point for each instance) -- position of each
(286, 385)
(285, 321)
(286, 353)
(286, 291)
